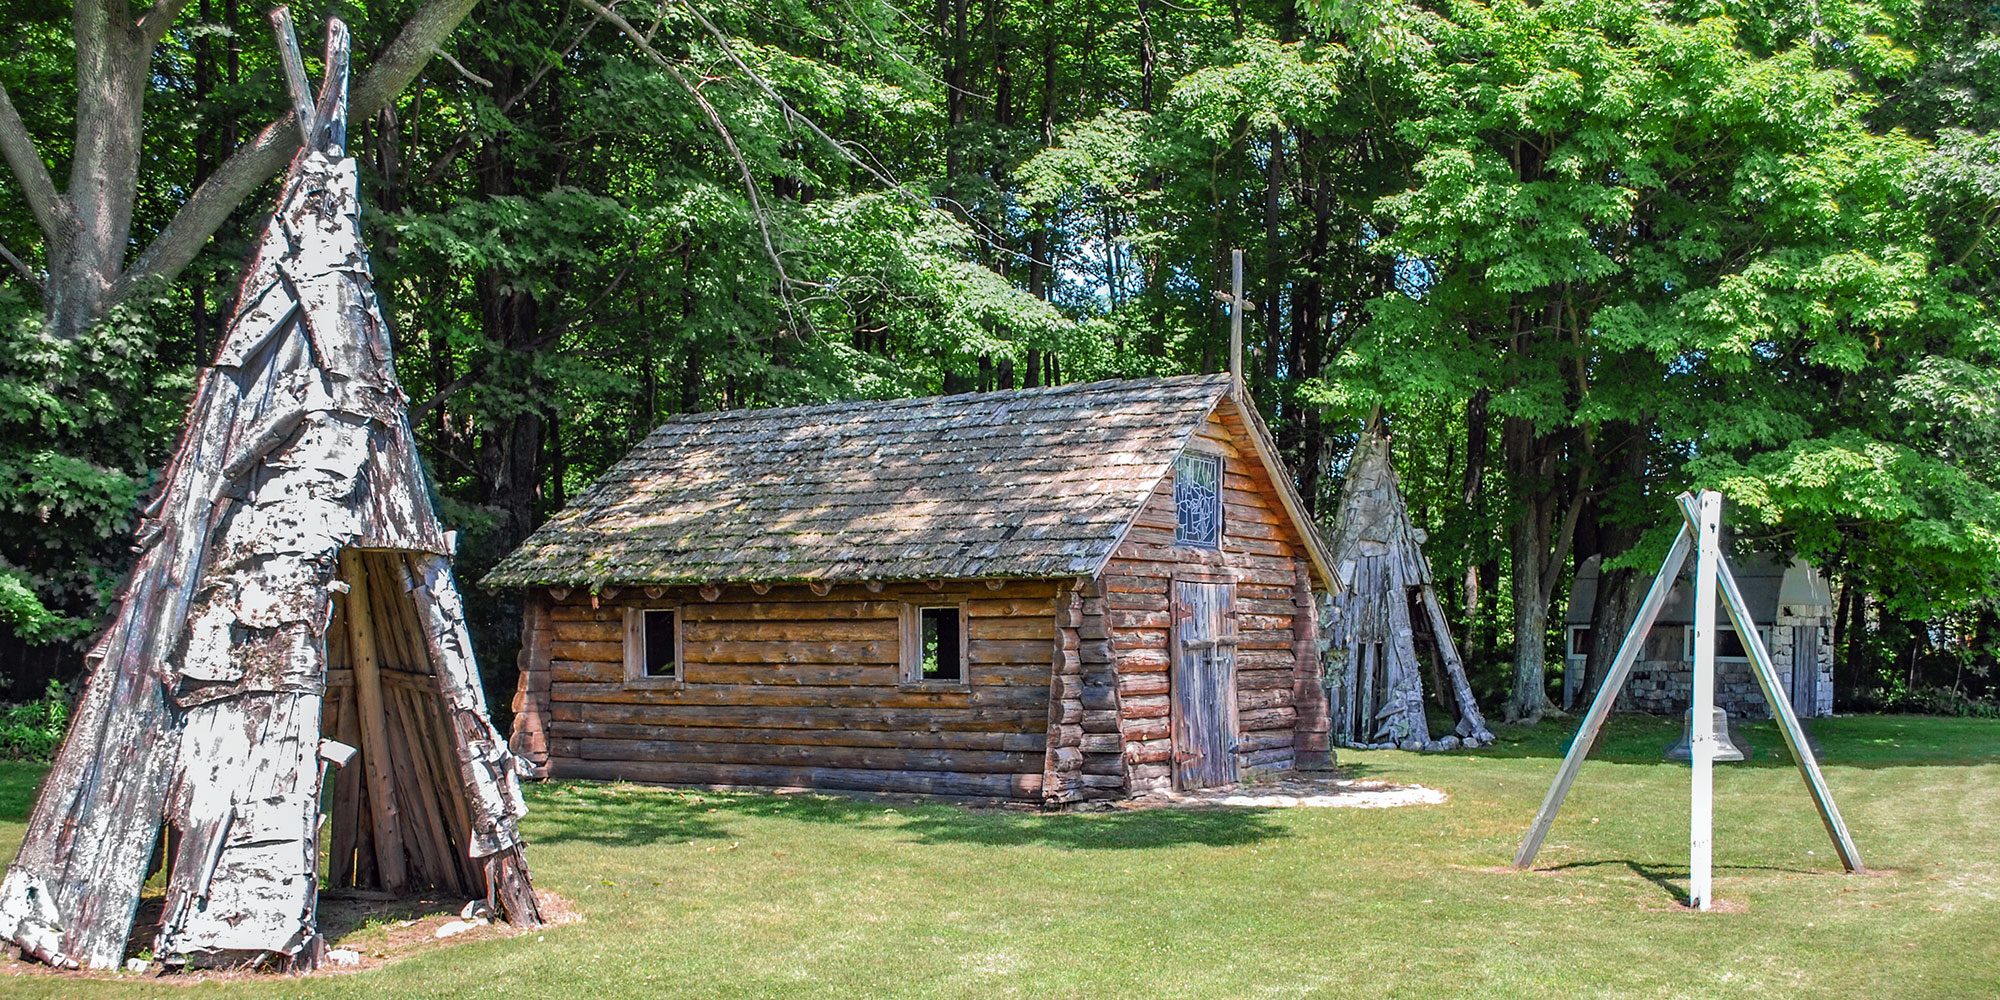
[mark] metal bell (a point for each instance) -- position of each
(1728, 744)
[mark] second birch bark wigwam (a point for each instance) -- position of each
(1385, 609)
(292, 607)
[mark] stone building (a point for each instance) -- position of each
(1793, 608)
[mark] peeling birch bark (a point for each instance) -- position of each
(207, 694)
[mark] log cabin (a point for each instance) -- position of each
(1044, 595)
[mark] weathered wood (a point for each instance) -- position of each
(870, 758)
(375, 759)
(1471, 722)
(1203, 686)
(422, 836)
(837, 737)
(996, 786)
(1379, 555)
(347, 791)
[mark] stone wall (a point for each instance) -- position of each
(1662, 681)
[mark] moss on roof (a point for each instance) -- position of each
(1024, 483)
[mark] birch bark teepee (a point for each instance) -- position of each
(292, 581)
(1375, 678)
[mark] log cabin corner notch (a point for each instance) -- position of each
(1046, 595)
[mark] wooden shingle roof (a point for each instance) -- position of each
(1023, 483)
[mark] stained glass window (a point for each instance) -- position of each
(1198, 500)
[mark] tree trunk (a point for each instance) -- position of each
(112, 59)
(1478, 446)
(1619, 591)
(1539, 548)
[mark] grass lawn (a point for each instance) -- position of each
(700, 894)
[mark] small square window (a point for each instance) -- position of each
(934, 645)
(652, 644)
(940, 640)
(1198, 500)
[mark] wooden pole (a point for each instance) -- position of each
(1470, 722)
(1607, 695)
(1788, 721)
(330, 113)
(1236, 314)
(375, 759)
(1701, 743)
(295, 72)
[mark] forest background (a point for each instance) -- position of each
(1577, 256)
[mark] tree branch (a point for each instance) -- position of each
(464, 140)
(154, 23)
(262, 157)
(26, 273)
(30, 169)
(721, 128)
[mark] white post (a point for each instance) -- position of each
(1701, 812)
(1236, 314)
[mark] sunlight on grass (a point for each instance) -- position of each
(703, 894)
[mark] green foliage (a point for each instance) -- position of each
(1578, 252)
(34, 730)
(83, 424)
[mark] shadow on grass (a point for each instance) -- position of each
(1126, 830)
(637, 815)
(1672, 879)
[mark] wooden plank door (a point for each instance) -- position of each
(1805, 670)
(1204, 684)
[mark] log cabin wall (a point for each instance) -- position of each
(1085, 759)
(1261, 554)
(529, 736)
(793, 688)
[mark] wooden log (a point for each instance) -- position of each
(1130, 685)
(808, 717)
(347, 804)
(789, 674)
(812, 631)
(423, 833)
(790, 610)
(586, 652)
(787, 652)
(988, 786)
(915, 695)
(1028, 742)
(791, 755)
(375, 759)
(1040, 630)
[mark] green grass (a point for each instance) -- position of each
(697, 894)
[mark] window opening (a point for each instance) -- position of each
(659, 659)
(940, 657)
